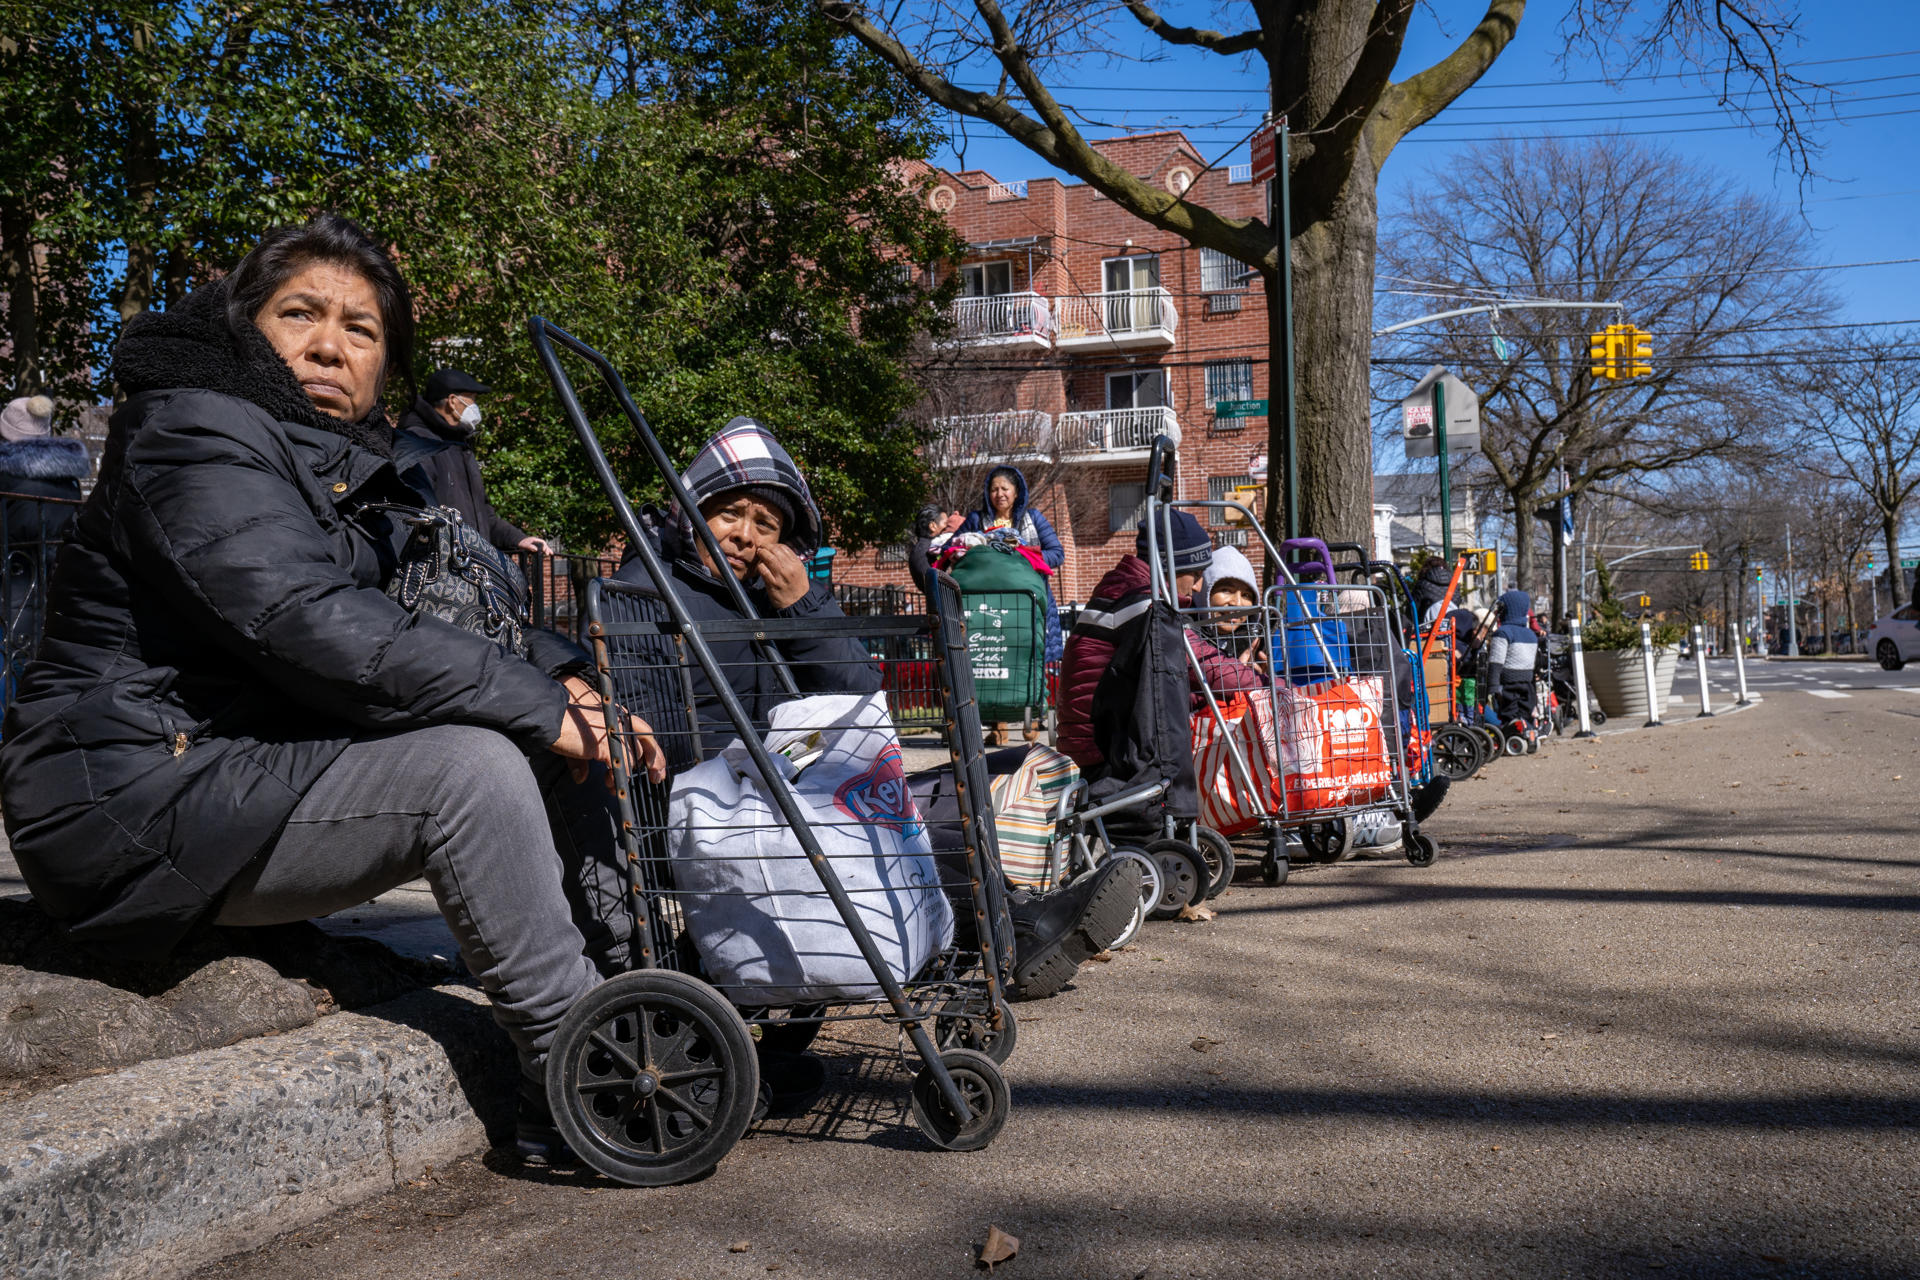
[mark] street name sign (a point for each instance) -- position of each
(1240, 408)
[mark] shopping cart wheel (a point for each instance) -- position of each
(1328, 841)
(1274, 868)
(1595, 716)
(1151, 884)
(1516, 745)
(1218, 852)
(962, 1025)
(985, 1090)
(1183, 877)
(1421, 850)
(652, 1077)
(1456, 751)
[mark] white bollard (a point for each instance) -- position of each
(1580, 682)
(1740, 663)
(1700, 669)
(1646, 665)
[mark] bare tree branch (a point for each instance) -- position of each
(1409, 104)
(1212, 41)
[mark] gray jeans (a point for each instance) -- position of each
(522, 860)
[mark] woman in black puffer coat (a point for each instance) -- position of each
(229, 720)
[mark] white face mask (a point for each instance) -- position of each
(470, 415)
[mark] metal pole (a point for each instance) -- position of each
(1740, 661)
(1793, 623)
(1283, 186)
(1760, 592)
(1700, 669)
(1446, 481)
(1646, 666)
(1580, 681)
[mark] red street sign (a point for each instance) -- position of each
(1263, 154)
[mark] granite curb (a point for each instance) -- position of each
(149, 1172)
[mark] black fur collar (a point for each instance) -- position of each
(191, 346)
(45, 458)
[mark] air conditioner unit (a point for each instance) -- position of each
(1218, 303)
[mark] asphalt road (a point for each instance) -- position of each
(1653, 1010)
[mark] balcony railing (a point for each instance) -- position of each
(1009, 435)
(1239, 173)
(1011, 319)
(1006, 191)
(1114, 431)
(1124, 318)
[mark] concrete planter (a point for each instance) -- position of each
(1615, 678)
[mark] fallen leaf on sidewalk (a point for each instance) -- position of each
(1197, 915)
(1104, 957)
(1200, 1044)
(1733, 784)
(739, 1246)
(1550, 1035)
(999, 1247)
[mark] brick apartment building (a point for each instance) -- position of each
(1083, 334)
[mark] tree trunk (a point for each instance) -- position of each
(1333, 341)
(1896, 579)
(23, 321)
(142, 170)
(1526, 554)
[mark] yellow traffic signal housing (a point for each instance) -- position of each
(1646, 601)
(1481, 559)
(1699, 561)
(1622, 351)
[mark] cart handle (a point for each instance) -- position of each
(1323, 558)
(1161, 466)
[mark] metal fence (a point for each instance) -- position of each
(31, 531)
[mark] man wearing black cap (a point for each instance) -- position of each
(436, 435)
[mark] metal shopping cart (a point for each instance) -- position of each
(1323, 741)
(653, 1075)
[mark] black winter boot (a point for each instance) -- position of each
(1053, 935)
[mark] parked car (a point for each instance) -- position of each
(1895, 639)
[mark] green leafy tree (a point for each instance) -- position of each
(708, 195)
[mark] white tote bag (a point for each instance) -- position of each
(766, 931)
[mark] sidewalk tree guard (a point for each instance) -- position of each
(1330, 70)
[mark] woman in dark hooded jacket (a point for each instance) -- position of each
(1004, 512)
(762, 513)
(229, 720)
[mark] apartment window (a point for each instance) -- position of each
(1220, 489)
(893, 553)
(986, 279)
(1219, 273)
(1229, 380)
(1233, 538)
(1126, 506)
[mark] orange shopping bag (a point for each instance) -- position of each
(1227, 805)
(1333, 754)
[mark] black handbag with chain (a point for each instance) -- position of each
(449, 571)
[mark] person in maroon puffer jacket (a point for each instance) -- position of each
(1116, 617)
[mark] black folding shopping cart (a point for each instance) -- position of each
(653, 1076)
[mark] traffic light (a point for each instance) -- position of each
(1641, 357)
(1646, 601)
(1602, 348)
(1698, 562)
(1622, 351)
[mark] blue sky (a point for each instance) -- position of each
(1861, 204)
